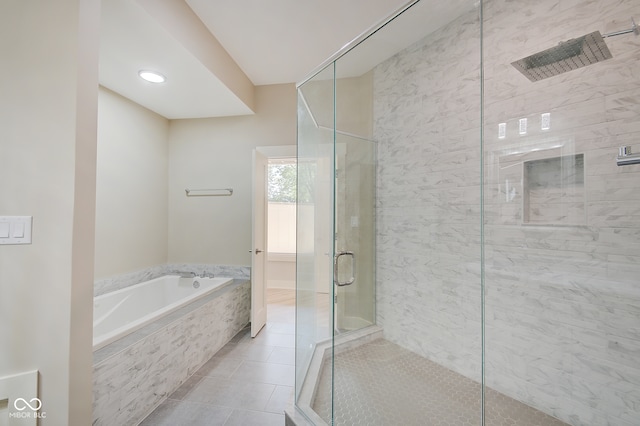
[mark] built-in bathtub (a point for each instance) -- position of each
(124, 311)
(138, 364)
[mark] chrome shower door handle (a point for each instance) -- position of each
(336, 278)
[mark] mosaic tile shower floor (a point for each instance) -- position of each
(380, 383)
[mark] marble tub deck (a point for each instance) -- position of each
(126, 341)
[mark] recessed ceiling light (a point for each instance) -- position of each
(152, 76)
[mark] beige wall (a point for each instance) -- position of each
(136, 194)
(131, 193)
(48, 81)
(216, 153)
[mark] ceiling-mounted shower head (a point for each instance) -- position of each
(569, 55)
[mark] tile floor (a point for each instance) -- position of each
(248, 382)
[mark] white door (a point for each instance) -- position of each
(258, 244)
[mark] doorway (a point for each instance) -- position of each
(278, 278)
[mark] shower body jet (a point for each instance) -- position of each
(569, 55)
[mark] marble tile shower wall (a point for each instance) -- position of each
(563, 302)
(426, 122)
(562, 297)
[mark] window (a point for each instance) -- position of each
(281, 200)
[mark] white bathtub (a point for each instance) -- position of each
(121, 312)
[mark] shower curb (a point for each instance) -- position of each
(303, 414)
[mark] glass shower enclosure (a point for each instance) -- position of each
(468, 244)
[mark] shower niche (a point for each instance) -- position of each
(553, 191)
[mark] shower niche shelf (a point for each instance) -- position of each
(554, 191)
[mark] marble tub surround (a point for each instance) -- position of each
(240, 272)
(561, 280)
(107, 285)
(135, 374)
(121, 281)
(248, 382)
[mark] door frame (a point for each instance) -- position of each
(270, 152)
(258, 243)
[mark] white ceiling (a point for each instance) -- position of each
(272, 42)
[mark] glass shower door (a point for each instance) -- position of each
(354, 259)
(336, 236)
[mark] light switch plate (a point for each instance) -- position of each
(4, 229)
(18, 227)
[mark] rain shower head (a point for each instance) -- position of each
(569, 55)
